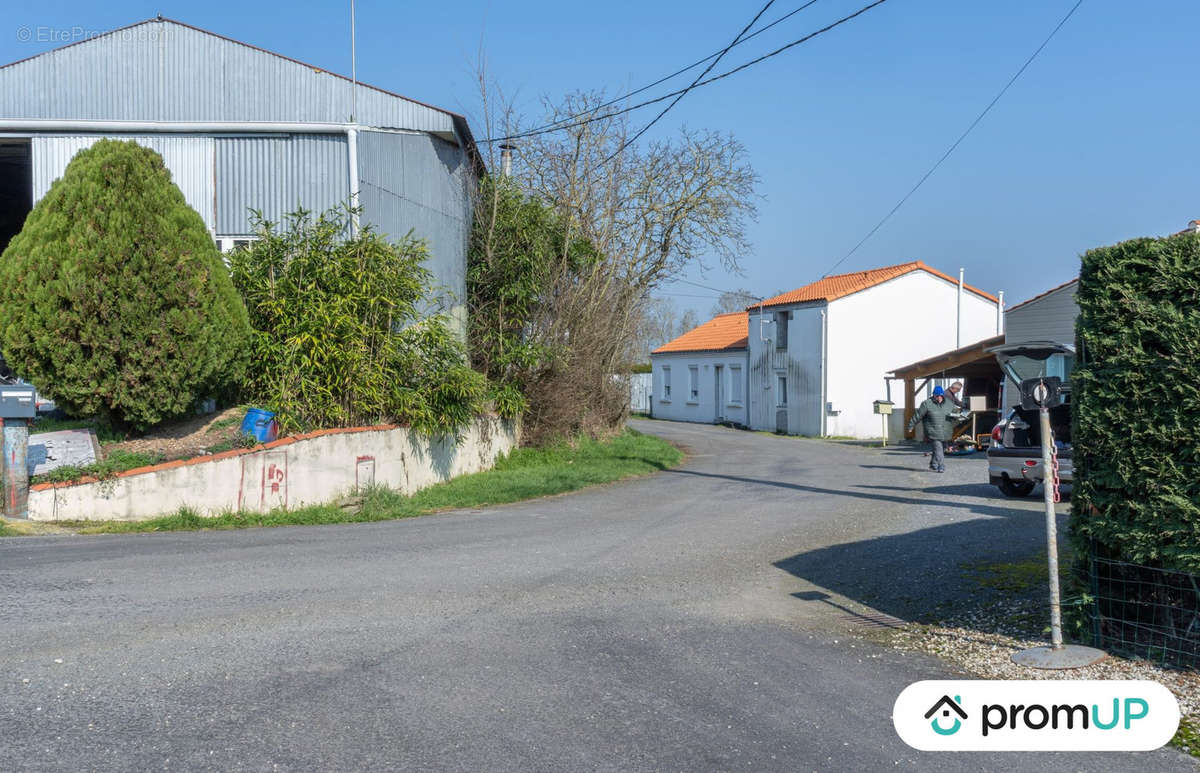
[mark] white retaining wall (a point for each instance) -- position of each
(310, 469)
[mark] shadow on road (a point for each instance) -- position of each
(984, 490)
(920, 575)
(994, 511)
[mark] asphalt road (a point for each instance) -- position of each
(694, 620)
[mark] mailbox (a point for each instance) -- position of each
(884, 407)
(17, 401)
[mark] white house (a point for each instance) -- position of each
(812, 361)
(701, 375)
(817, 355)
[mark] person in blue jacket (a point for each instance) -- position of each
(936, 417)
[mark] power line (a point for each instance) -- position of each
(700, 77)
(958, 141)
(687, 295)
(553, 125)
(714, 79)
(718, 290)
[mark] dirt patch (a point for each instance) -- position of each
(187, 438)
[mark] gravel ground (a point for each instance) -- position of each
(982, 639)
(988, 655)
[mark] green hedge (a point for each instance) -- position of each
(1137, 402)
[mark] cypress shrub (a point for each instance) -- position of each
(113, 297)
(1136, 394)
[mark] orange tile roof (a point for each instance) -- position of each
(725, 331)
(833, 287)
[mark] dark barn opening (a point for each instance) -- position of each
(16, 187)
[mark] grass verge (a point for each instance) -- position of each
(526, 473)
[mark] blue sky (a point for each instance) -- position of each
(1096, 143)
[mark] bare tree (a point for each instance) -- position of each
(631, 218)
(734, 300)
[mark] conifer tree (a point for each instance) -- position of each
(114, 300)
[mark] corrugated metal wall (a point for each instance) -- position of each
(420, 183)
(163, 71)
(1050, 318)
(189, 159)
(277, 175)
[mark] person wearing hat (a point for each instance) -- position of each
(936, 417)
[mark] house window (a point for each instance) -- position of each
(781, 329)
(735, 383)
(693, 383)
(666, 395)
(781, 390)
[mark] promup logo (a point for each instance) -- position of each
(950, 705)
(1036, 715)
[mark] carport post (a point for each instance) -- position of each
(910, 396)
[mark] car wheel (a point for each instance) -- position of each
(1012, 488)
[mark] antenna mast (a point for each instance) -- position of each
(353, 68)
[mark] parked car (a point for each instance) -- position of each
(1015, 454)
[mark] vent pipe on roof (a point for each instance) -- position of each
(1000, 313)
(506, 152)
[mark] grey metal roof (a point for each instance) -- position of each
(165, 70)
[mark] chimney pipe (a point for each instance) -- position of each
(1000, 313)
(506, 160)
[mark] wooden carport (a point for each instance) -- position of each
(973, 365)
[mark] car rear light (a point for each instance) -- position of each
(998, 434)
(1030, 463)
